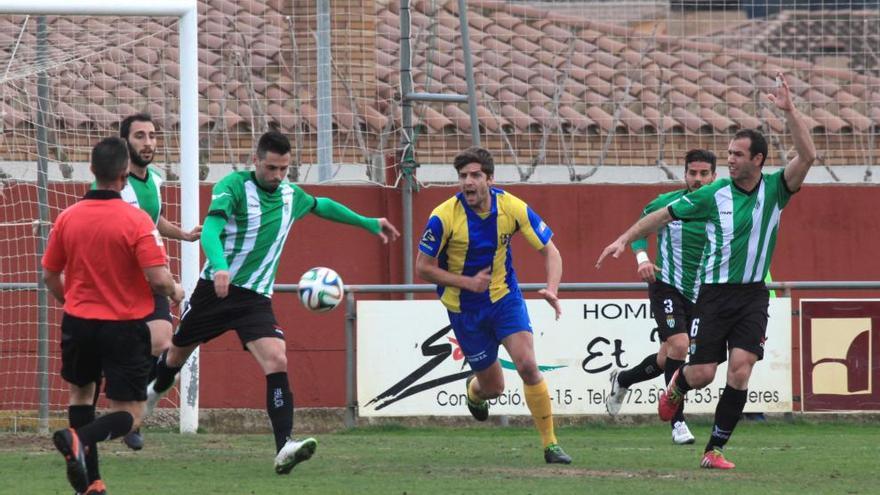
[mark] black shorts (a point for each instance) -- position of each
(206, 316)
(672, 311)
(161, 309)
(728, 316)
(119, 349)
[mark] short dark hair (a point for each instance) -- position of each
(699, 155)
(125, 126)
(273, 141)
(475, 154)
(758, 143)
(109, 159)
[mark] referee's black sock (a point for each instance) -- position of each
(79, 416)
(641, 372)
(279, 406)
(727, 413)
(165, 374)
(671, 366)
(107, 427)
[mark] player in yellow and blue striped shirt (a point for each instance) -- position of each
(465, 250)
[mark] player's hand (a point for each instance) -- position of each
(614, 249)
(781, 96)
(387, 231)
(553, 300)
(193, 235)
(178, 295)
(221, 283)
(480, 281)
(647, 271)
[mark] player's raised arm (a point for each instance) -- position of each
(796, 170)
(645, 225)
(338, 212)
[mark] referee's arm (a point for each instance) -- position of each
(162, 282)
(55, 283)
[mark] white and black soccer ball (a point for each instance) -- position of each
(320, 289)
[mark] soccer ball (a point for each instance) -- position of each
(320, 289)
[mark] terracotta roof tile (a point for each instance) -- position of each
(666, 124)
(636, 123)
(605, 121)
(578, 121)
(691, 122)
(831, 122)
(721, 123)
(522, 59)
(744, 120)
(520, 120)
(458, 117)
(493, 122)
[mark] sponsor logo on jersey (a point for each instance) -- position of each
(428, 238)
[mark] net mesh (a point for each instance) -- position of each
(97, 71)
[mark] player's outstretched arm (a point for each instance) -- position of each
(337, 212)
(429, 270)
(553, 268)
(796, 170)
(645, 225)
(171, 231)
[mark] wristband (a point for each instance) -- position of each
(642, 257)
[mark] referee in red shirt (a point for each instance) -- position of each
(103, 258)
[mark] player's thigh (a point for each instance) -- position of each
(475, 338)
(750, 331)
(126, 359)
(710, 326)
(270, 353)
(670, 309)
(80, 359)
(206, 316)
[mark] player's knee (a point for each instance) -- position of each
(528, 371)
(275, 362)
(699, 376)
(677, 347)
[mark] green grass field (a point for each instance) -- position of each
(771, 457)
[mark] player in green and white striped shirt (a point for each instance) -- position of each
(671, 292)
(742, 218)
(250, 217)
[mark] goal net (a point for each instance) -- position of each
(66, 81)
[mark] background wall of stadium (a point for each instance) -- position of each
(827, 234)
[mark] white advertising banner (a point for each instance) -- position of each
(409, 362)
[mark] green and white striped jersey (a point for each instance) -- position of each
(144, 193)
(679, 248)
(741, 227)
(257, 225)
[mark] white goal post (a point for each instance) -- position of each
(186, 11)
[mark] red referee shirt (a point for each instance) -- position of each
(102, 244)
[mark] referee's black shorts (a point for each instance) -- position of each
(206, 316)
(119, 349)
(728, 316)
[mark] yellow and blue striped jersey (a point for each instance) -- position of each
(465, 242)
